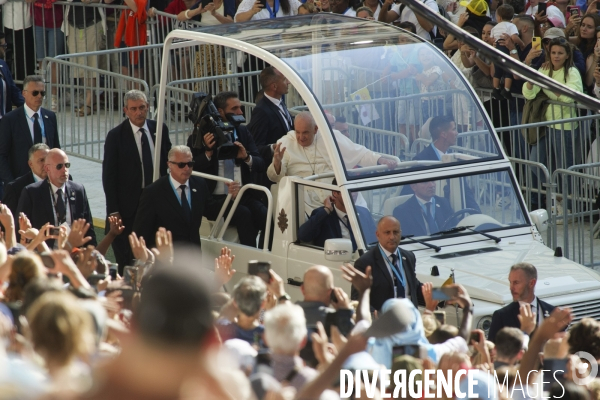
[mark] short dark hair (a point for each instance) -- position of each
(443, 333)
(526, 19)
(221, 99)
(506, 12)
(471, 30)
(175, 308)
(509, 342)
(438, 124)
(585, 336)
(408, 26)
(267, 76)
(517, 5)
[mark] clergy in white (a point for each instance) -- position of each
(302, 152)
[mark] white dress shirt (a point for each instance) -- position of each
(137, 135)
(406, 286)
(177, 185)
(29, 112)
(66, 197)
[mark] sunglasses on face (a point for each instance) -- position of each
(4, 45)
(60, 166)
(36, 93)
(182, 165)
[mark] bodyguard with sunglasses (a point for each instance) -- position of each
(176, 202)
(23, 127)
(56, 200)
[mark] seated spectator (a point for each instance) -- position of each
(249, 297)
(285, 335)
(331, 222)
(366, 12)
(254, 10)
(424, 213)
(425, 28)
(510, 346)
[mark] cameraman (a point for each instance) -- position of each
(250, 215)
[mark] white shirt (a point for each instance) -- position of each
(504, 27)
(137, 135)
(16, 15)
(177, 185)
(29, 112)
(314, 160)
(66, 197)
(277, 102)
(409, 15)
(350, 12)
(406, 287)
(246, 5)
(343, 221)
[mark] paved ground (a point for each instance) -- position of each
(89, 174)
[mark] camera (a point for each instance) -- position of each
(206, 119)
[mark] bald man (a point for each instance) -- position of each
(317, 288)
(392, 268)
(56, 200)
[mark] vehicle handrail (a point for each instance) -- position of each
(320, 176)
(234, 207)
(225, 204)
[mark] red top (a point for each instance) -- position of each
(132, 26)
(46, 14)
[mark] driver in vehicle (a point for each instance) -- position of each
(302, 153)
(331, 222)
(424, 213)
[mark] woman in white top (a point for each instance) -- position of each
(253, 10)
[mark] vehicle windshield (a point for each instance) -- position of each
(388, 91)
(483, 202)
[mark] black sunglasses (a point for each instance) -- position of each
(60, 166)
(5, 45)
(36, 93)
(183, 164)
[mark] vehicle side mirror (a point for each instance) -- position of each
(338, 250)
(540, 219)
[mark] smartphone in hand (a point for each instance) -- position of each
(262, 269)
(444, 293)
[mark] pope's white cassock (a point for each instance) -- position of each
(314, 160)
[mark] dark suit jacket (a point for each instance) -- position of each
(211, 166)
(383, 283)
(12, 191)
(13, 94)
(122, 167)
(160, 207)
(429, 153)
(37, 204)
(410, 215)
(15, 141)
(508, 316)
(322, 226)
(267, 125)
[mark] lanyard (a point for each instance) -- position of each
(397, 273)
(273, 12)
(54, 203)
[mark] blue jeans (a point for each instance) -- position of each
(50, 42)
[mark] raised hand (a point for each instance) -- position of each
(223, 263)
(526, 318)
(430, 303)
(77, 237)
(116, 225)
(164, 245)
(361, 281)
(138, 247)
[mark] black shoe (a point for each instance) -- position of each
(497, 94)
(507, 94)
